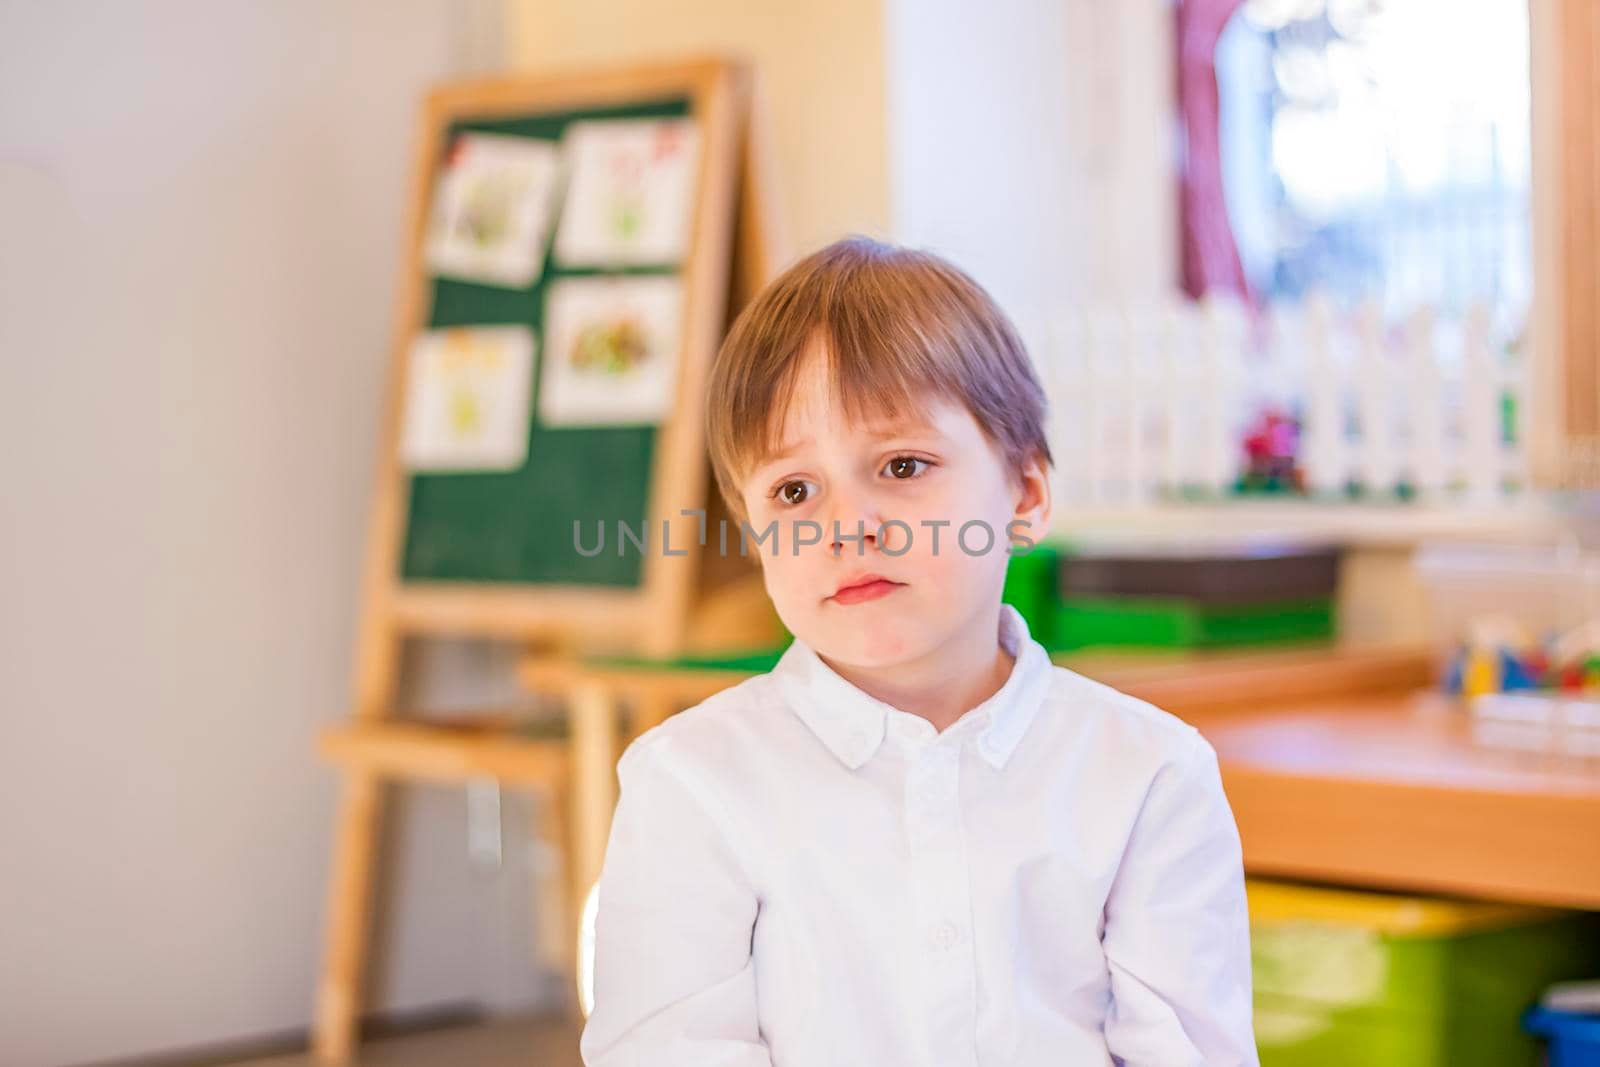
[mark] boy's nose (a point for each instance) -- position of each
(851, 538)
(855, 528)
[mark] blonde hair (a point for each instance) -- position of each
(900, 327)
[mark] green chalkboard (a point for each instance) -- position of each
(517, 526)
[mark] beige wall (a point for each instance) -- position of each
(822, 70)
(201, 206)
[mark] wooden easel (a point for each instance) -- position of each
(733, 251)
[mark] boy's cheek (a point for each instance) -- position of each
(789, 583)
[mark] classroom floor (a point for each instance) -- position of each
(514, 1043)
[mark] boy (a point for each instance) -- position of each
(915, 841)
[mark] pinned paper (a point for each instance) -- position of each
(468, 399)
(492, 209)
(630, 192)
(611, 351)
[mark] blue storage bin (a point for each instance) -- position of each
(1574, 1039)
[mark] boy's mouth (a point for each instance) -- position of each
(864, 587)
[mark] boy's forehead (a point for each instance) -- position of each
(816, 408)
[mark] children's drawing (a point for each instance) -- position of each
(630, 192)
(468, 398)
(492, 208)
(611, 355)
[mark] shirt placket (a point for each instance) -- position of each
(941, 891)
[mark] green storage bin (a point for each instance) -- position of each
(1030, 587)
(1345, 978)
(1169, 622)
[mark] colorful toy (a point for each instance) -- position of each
(1272, 455)
(1498, 656)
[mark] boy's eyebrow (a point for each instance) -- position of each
(900, 429)
(881, 433)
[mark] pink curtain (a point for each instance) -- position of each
(1210, 255)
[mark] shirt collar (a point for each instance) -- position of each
(852, 723)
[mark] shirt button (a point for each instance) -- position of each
(943, 935)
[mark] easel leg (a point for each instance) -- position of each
(594, 784)
(349, 919)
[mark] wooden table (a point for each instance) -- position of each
(1342, 765)
(1407, 791)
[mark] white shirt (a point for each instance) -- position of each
(799, 874)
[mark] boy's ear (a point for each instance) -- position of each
(1033, 497)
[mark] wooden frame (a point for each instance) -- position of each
(1565, 325)
(377, 746)
(651, 618)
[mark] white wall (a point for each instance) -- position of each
(200, 210)
(1031, 142)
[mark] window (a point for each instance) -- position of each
(1380, 150)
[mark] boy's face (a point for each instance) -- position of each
(934, 478)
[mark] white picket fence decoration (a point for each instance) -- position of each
(1150, 402)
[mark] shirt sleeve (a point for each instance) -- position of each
(674, 981)
(1177, 933)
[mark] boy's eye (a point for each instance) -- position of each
(904, 468)
(900, 468)
(791, 493)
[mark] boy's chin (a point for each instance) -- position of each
(867, 643)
